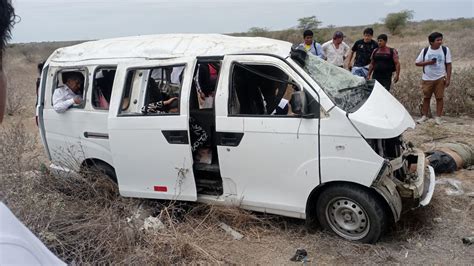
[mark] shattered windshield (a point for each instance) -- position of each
(347, 91)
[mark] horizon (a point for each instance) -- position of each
(53, 21)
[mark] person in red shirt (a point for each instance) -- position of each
(384, 61)
(7, 19)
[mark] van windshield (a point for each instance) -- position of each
(347, 91)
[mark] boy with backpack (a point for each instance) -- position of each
(383, 62)
(436, 63)
(311, 46)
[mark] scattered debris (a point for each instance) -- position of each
(456, 186)
(236, 235)
(152, 224)
(437, 220)
(143, 219)
(455, 210)
(419, 245)
(469, 240)
(301, 255)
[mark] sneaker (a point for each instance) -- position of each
(438, 120)
(422, 119)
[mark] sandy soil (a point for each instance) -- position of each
(428, 235)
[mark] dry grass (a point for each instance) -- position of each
(83, 220)
(458, 36)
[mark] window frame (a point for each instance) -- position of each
(85, 72)
(230, 86)
(143, 95)
(96, 69)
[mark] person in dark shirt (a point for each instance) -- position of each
(383, 62)
(7, 19)
(363, 49)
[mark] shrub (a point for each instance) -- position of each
(394, 22)
(308, 23)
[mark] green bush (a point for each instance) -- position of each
(394, 22)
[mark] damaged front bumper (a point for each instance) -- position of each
(414, 189)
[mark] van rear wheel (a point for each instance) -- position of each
(104, 168)
(352, 212)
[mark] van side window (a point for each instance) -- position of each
(61, 80)
(102, 87)
(153, 91)
(260, 90)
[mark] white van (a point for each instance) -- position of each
(238, 121)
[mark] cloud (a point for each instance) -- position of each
(392, 3)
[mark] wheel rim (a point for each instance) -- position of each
(347, 218)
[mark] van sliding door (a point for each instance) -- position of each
(149, 129)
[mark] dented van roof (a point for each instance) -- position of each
(170, 46)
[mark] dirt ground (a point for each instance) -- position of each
(427, 235)
(72, 226)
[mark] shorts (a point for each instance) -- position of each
(433, 86)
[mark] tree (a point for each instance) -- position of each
(307, 23)
(394, 22)
(257, 31)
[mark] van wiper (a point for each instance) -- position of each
(363, 87)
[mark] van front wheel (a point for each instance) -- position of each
(352, 212)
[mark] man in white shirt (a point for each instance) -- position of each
(436, 63)
(67, 95)
(336, 51)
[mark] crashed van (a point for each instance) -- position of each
(239, 121)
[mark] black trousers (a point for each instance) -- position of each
(384, 79)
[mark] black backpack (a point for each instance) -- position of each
(315, 48)
(425, 51)
(392, 62)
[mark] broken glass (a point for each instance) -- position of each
(347, 91)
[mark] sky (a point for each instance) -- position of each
(65, 20)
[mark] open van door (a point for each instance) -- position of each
(149, 129)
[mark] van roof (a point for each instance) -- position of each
(170, 46)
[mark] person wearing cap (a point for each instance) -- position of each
(311, 46)
(383, 62)
(336, 50)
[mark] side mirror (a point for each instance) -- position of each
(298, 54)
(297, 102)
(300, 107)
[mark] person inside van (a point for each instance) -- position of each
(206, 84)
(68, 94)
(160, 102)
(283, 107)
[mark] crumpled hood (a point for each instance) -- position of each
(381, 116)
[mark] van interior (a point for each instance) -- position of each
(255, 90)
(202, 125)
(102, 87)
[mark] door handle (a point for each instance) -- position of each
(176, 136)
(229, 138)
(229, 141)
(176, 140)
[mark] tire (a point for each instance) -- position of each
(352, 212)
(104, 168)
